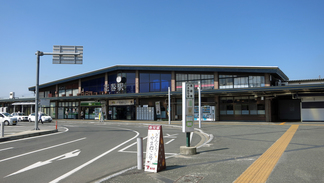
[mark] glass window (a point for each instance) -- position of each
(61, 93)
(245, 109)
(75, 92)
(261, 109)
(238, 109)
(94, 85)
(253, 109)
(229, 109)
(240, 81)
(154, 82)
(242, 106)
(206, 80)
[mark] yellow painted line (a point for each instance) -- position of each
(261, 169)
(282, 123)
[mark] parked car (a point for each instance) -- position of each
(20, 116)
(8, 119)
(42, 117)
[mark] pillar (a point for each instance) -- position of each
(136, 81)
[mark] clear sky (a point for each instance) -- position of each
(284, 33)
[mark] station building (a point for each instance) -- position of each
(140, 92)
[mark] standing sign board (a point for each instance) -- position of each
(155, 156)
(158, 108)
(188, 109)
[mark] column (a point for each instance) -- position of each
(215, 80)
(173, 83)
(136, 81)
(267, 79)
(268, 109)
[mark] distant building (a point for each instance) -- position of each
(132, 92)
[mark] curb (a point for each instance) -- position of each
(27, 134)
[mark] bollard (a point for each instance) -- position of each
(56, 125)
(2, 129)
(139, 153)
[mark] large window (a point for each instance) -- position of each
(93, 85)
(154, 82)
(246, 105)
(68, 90)
(206, 80)
(240, 81)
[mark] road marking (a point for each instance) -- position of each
(42, 163)
(42, 149)
(123, 150)
(167, 136)
(261, 169)
(282, 123)
(170, 136)
(94, 159)
(169, 141)
(6, 149)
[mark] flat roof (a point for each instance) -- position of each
(189, 68)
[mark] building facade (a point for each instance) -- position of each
(133, 92)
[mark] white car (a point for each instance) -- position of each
(43, 117)
(8, 119)
(20, 116)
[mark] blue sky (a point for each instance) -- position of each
(284, 33)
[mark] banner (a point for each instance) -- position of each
(155, 156)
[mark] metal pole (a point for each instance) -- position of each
(2, 129)
(38, 53)
(199, 103)
(139, 153)
(169, 104)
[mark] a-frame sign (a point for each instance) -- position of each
(155, 155)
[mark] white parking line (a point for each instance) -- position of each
(94, 159)
(6, 149)
(42, 149)
(122, 150)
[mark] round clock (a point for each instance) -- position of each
(119, 79)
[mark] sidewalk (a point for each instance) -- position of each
(26, 130)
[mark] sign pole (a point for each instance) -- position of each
(62, 54)
(38, 54)
(169, 104)
(199, 103)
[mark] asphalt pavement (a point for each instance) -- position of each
(227, 149)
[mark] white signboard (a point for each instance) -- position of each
(155, 156)
(188, 108)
